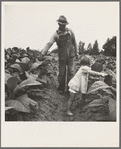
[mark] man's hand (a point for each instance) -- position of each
(41, 55)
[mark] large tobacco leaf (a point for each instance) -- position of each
(17, 66)
(97, 86)
(44, 79)
(12, 82)
(97, 102)
(8, 108)
(109, 92)
(25, 60)
(31, 76)
(22, 103)
(7, 76)
(28, 82)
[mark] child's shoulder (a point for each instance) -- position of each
(85, 67)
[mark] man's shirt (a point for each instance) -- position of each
(55, 38)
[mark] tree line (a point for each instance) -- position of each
(109, 48)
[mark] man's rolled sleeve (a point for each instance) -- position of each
(49, 44)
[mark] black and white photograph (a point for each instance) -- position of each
(60, 63)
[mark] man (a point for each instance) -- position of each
(67, 50)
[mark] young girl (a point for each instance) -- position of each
(80, 82)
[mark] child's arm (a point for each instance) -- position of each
(96, 73)
(93, 72)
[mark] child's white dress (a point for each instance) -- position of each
(80, 81)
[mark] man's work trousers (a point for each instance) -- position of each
(62, 72)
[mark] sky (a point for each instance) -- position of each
(31, 24)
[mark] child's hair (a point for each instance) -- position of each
(85, 61)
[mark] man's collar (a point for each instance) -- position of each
(62, 32)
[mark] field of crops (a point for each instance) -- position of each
(31, 90)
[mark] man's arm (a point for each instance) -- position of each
(49, 44)
(75, 44)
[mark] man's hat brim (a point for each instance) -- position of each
(63, 23)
